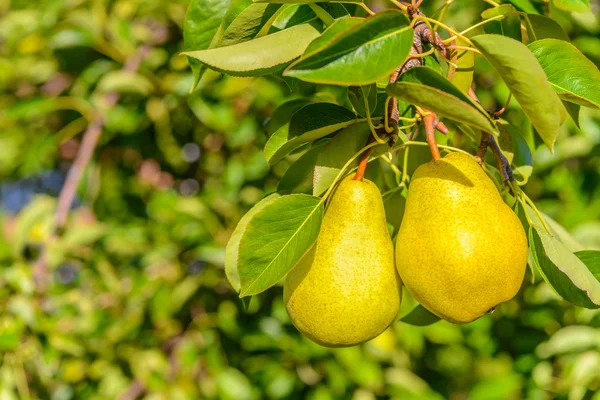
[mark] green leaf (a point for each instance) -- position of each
(339, 26)
(200, 26)
(275, 239)
(591, 259)
(509, 26)
(310, 123)
(337, 153)
(360, 55)
(557, 230)
(426, 88)
(233, 245)
(420, 316)
(527, 81)
(291, 15)
(247, 23)
(572, 5)
(465, 65)
(283, 114)
(301, 170)
(394, 204)
(333, 32)
(575, 78)
(259, 56)
(563, 270)
(525, 5)
(541, 27)
(357, 96)
(573, 110)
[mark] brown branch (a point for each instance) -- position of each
(82, 159)
(135, 390)
(488, 141)
(422, 36)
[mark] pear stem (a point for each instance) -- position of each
(430, 135)
(362, 166)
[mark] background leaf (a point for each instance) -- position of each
(575, 78)
(275, 239)
(525, 5)
(259, 56)
(572, 5)
(360, 55)
(527, 82)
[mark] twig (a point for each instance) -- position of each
(82, 159)
(135, 390)
(488, 141)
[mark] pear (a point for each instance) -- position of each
(346, 289)
(460, 250)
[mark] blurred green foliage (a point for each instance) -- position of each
(139, 306)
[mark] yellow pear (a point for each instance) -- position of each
(346, 289)
(460, 250)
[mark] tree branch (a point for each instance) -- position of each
(82, 159)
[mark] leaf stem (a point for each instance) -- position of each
(368, 112)
(482, 23)
(446, 27)
(491, 2)
(394, 169)
(367, 9)
(322, 14)
(466, 48)
(401, 6)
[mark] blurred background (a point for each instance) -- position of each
(137, 304)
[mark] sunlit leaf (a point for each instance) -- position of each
(233, 245)
(575, 78)
(527, 81)
(563, 270)
(247, 23)
(201, 24)
(275, 239)
(428, 89)
(259, 56)
(358, 56)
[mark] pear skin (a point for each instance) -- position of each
(346, 289)
(461, 250)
